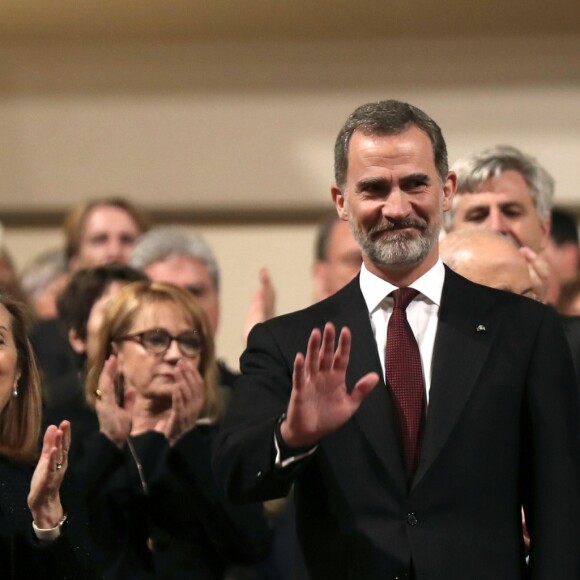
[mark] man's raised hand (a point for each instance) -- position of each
(320, 403)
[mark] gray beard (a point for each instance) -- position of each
(399, 249)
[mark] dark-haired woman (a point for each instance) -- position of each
(34, 539)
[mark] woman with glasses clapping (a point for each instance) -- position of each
(155, 510)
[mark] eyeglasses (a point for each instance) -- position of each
(158, 340)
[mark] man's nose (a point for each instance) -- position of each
(396, 204)
(497, 222)
(114, 250)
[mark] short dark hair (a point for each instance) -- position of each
(86, 286)
(325, 227)
(564, 228)
(387, 118)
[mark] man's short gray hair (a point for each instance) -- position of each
(164, 241)
(475, 169)
(42, 271)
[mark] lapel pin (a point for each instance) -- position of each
(480, 328)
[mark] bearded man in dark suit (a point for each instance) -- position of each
(389, 486)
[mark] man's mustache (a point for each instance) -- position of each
(394, 225)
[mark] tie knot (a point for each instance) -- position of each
(403, 297)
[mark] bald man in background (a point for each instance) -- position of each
(486, 257)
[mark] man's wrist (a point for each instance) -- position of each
(285, 455)
(288, 449)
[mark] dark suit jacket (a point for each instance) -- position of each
(501, 432)
(572, 330)
(184, 527)
(22, 556)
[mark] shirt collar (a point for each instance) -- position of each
(375, 289)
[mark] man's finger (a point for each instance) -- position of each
(312, 352)
(298, 372)
(327, 347)
(363, 387)
(342, 354)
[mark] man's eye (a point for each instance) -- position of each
(197, 292)
(512, 213)
(476, 217)
(98, 240)
(419, 184)
(373, 188)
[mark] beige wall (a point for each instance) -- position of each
(249, 128)
(235, 126)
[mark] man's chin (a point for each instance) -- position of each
(405, 256)
(398, 263)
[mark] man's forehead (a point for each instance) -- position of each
(485, 197)
(506, 182)
(411, 141)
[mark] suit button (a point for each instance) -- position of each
(412, 519)
(402, 576)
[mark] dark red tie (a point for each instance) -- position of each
(405, 377)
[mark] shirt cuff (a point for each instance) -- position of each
(286, 456)
(49, 534)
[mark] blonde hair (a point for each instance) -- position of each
(20, 418)
(120, 316)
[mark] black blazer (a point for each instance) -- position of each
(501, 432)
(572, 330)
(183, 527)
(22, 556)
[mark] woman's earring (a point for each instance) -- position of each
(15, 387)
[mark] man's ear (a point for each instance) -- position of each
(545, 228)
(339, 202)
(78, 344)
(449, 189)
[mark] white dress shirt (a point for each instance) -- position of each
(422, 312)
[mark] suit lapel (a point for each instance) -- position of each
(465, 335)
(376, 416)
